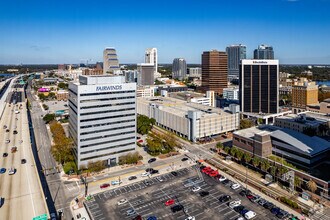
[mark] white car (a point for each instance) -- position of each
(222, 178)
(190, 218)
(159, 179)
(196, 189)
(122, 201)
(12, 171)
(235, 203)
(145, 174)
(250, 215)
(116, 182)
(235, 186)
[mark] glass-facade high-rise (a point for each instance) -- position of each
(259, 85)
(264, 52)
(179, 69)
(235, 54)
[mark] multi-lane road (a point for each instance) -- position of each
(22, 193)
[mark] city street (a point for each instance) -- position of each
(22, 191)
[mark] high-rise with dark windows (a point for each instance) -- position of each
(214, 71)
(264, 52)
(235, 54)
(102, 119)
(259, 86)
(179, 69)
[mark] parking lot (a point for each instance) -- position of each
(148, 199)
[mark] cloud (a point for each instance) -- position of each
(39, 48)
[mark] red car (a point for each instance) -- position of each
(209, 171)
(250, 196)
(169, 202)
(140, 141)
(214, 173)
(206, 169)
(104, 185)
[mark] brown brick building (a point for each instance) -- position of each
(214, 71)
(304, 93)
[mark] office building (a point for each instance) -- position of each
(230, 93)
(92, 72)
(179, 69)
(195, 97)
(214, 71)
(304, 93)
(130, 75)
(264, 52)
(145, 74)
(151, 56)
(195, 72)
(145, 91)
(102, 120)
(235, 54)
(110, 61)
(189, 120)
(259, 86)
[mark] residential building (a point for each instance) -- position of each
(231, 93)
(110, 61)
(235, 54)
(189, 120)
(214, 71)
(264, 52)
(195, 72)
(179, 69)
(145, 91)
(130, 75)
(145, 74)
(259, 86)
(151, 56)
(304, 93)
(62, 95)
(102, 120)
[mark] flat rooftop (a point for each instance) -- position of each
(185, 95)
(306, 119)
(180, 107)
(299, 142)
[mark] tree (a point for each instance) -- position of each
(262, 165)
(245, 123)
(311, 185)
(297, 182)
(96, 166)
(247, 157)
(51, 95)
(273, 170)
(144, 124)
(227, 149)
(239, 154)
(267, 165)
(41, 96)
(63, 85)
(70, 166)
(255, 161)
(170, 140)
(46, 107)
(48, 118)
(130, 158)
(233, 151)
(219, 146)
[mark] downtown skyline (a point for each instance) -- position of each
(76, 31)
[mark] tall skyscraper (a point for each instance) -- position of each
(214, 71)
(235, 54)
(152, 57)
(179, 69)
(259, 86)
(264, 52)
(102, 119)
(145, 74)
(110, 61)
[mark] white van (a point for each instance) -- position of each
(250, 215)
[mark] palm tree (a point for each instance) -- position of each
(263, 165)
(227, 149)
(311, 185)
(247, 157)
(239, 154)
(267, 165)
(233, 151)
(219, 146)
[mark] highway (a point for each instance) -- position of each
(59, 193)
(22, 191)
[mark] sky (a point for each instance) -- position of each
(74, 31)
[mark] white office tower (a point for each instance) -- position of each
(110, 61)
(102, 119)
(152, 57)
(179, 69)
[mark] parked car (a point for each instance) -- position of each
(196, 188)
(130, 212)
(116, 182)
(184, 159)
(149, 170)
(239, 208)
(7, 141)
(152, 160)
(235, 186)
(122, 201)
(282, 214)
(174, 173)
(5, 154)
(2, 201)
(250, 196)
(275, 210)
(13, 149)
(255, 199)
(2, 170)
(23, 161)
(244, 211)
(222, 178)
(159, 179)
(7, 130)
(132, 178)
(177, 208)
(104, 185)
(244, 192)
(262, 202)
(234, 203)
(250, 215)
(15, 132)
(204, 193)
(154, 172)
(202, 167)
(169, 202)
(152, 218)
(224, 198)
(268, 205)
(190, 218)
(12, 171)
